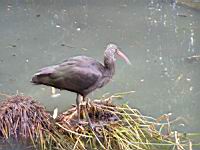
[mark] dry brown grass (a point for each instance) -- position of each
(111, 127)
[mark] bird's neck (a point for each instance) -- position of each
(109, 65)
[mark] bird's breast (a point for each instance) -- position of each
(104, 80)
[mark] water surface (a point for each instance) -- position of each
(156, 35)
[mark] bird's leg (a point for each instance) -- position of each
(87, 102)
(90, 123)
(78, 106)
(86, 114)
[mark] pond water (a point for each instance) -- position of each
(156, 35)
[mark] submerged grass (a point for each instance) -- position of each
(103, 126)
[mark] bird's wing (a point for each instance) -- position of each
(80, 61)
(75, 74)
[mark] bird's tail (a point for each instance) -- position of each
(43, 76)
(35, 80)
(41, 79)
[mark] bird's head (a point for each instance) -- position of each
(112, 51)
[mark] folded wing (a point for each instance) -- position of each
(75, 74)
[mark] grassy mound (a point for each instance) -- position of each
(23, 118)
(118, 127)
(103, 126)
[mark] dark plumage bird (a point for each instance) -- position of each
(80, 74)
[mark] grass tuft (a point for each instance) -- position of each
(103, 126)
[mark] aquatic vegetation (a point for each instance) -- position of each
(110, 127)
(23, 118)
(120, 127)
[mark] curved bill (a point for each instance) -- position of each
(122, 55)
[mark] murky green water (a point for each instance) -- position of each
(156, 35)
